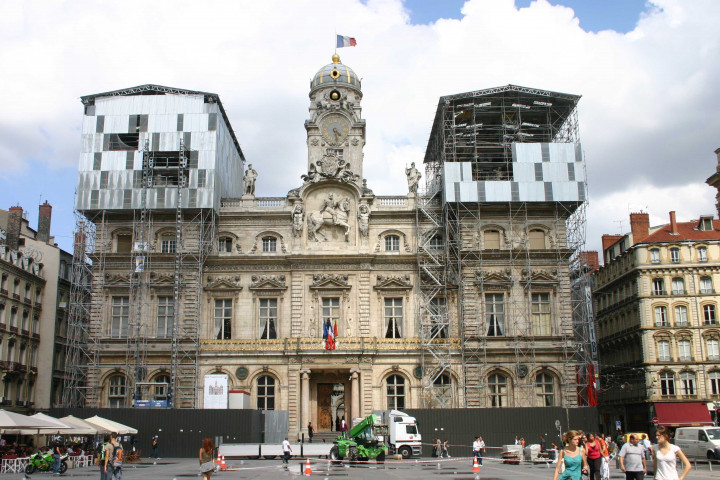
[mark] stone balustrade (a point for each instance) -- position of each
(306, 344)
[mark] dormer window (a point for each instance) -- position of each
(706, 224)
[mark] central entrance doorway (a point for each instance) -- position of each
(330, 406)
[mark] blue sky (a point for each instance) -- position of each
(647, 73)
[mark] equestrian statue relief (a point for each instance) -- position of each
(330, 213)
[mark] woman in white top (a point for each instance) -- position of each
(665, 457)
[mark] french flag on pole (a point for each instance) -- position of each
(345, 41)
(329, 334)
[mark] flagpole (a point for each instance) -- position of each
(336, 40)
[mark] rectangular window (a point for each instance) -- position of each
(687, 383)
(684, 351)
(330, 311)
(168, 245)
(495, 314)
(492, 239)
(121, 141)
(223, 319)
(165, 317)
(663, 347)
(709, 314)
(678, 286)
(541, 313)
(667, 384)
(393, 317)
(655, 255)
(675, 255)
(658, 286)
(269, 244)
(661, 317)
(120, 317)
(681, 319)
(702, 254)
(713, 349)
(268, 318)
(714, 378)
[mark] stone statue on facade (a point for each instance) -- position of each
(330, 166)
(249, 179)
(298, 214)
(413, 177)
(364, 219)
(330, 213)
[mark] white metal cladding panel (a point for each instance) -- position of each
(113, 160)
(449, 191)
(498, 191)
(580, 171)
(528, 152)
(555, 172)
(88, 143)
(229, 165)
(89, 123)
(451, 172)
(206, 159)
(531, 191)
(468, 191)
(162, 123)
(524, 172)
(565, 191)
(86, 161)
(466, 171)
(562, 152)
(149, 104)
(203, 140)
(116, 124)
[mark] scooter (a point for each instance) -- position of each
(43, 462)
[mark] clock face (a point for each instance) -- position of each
(335, 129)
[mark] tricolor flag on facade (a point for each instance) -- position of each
(329, 334)
(345, 41)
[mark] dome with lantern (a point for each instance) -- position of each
(335, 74)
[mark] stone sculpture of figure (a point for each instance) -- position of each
(329, 205)
(413, 177)
(297, 218)
(330, 213)
(250, 177)
(364, 219)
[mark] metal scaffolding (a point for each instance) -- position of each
(508, 334)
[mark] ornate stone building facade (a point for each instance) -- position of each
(277, 272)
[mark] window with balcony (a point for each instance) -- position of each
(658, 286)
(684, 350)
(709, 314)
(702, 254)
(714, 381)
(687, 383)
(495, 314)
(675, 255)
(268, 318)
(706, 285)
(713, 349)
(667, 384)
(681, 317)
(223, 319)
(678, 286)
(663, 351)
(661, 319)
(655, 255)
(393, 317)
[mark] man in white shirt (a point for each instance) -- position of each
(286, 450)
(648, 447)
(632, 459)
(478, 449)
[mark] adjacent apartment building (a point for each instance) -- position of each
(657, 324)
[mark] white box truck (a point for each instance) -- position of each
(405, 437)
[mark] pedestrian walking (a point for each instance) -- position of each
(594, 453)
(206, 459)
(104, 450)
(311, 431)
(542, 443)
(437, 448)
(517, 440)
(478, 449)
(114, 460)
(56, 458)
(287, 449)
(522, 442)
(632, 460)
(155, 447)
(572, 458)
(648, 447)
(665, 457)
(445, 452)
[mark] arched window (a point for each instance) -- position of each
(116, 391)
(225, 244)
(687, 383)
(675, 255)
(536, 237)
(491, 240)
(266, 393)
(706, 285)
(667, 383)
(702, 254)
(392, 243)
(658, 286)
(713, 349)
(395, 392)
(684, 350)
(678, 286)
(714, 381)
(545, 388)
(681, 318)
(269, 244)
(709, 314)
(661, 317)
(443, 386)
(498, 388)
(663, 351)
(162, 388)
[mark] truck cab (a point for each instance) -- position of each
(405, 437)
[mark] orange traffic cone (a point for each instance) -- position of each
(219, 459)
(223, 465)
(308, 470)
(476, 467)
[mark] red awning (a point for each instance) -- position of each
(685, 414)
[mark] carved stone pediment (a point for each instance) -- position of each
(329, 281)
(499, 280)
(167, 278)
(266, 283)
(393, 283)
(540, 278)
(227, 283)
(116, 277)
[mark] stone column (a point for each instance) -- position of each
(305, 400)
(355, 392)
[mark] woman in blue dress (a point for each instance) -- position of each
(572, 458)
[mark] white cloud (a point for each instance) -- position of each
(647, 116)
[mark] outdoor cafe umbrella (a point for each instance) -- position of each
(16, 421)
(58, 426)
(116, 427)
(81, 427)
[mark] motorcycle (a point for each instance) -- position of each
(43, 462)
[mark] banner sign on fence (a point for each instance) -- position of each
(216, 391)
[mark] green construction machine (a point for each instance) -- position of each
(364, 441)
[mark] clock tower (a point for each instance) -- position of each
(335, 129)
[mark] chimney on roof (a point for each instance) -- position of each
(609, 240)
(14, 225)
(44, 222)
(673, 223)
(640, 226)
(591, 260)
